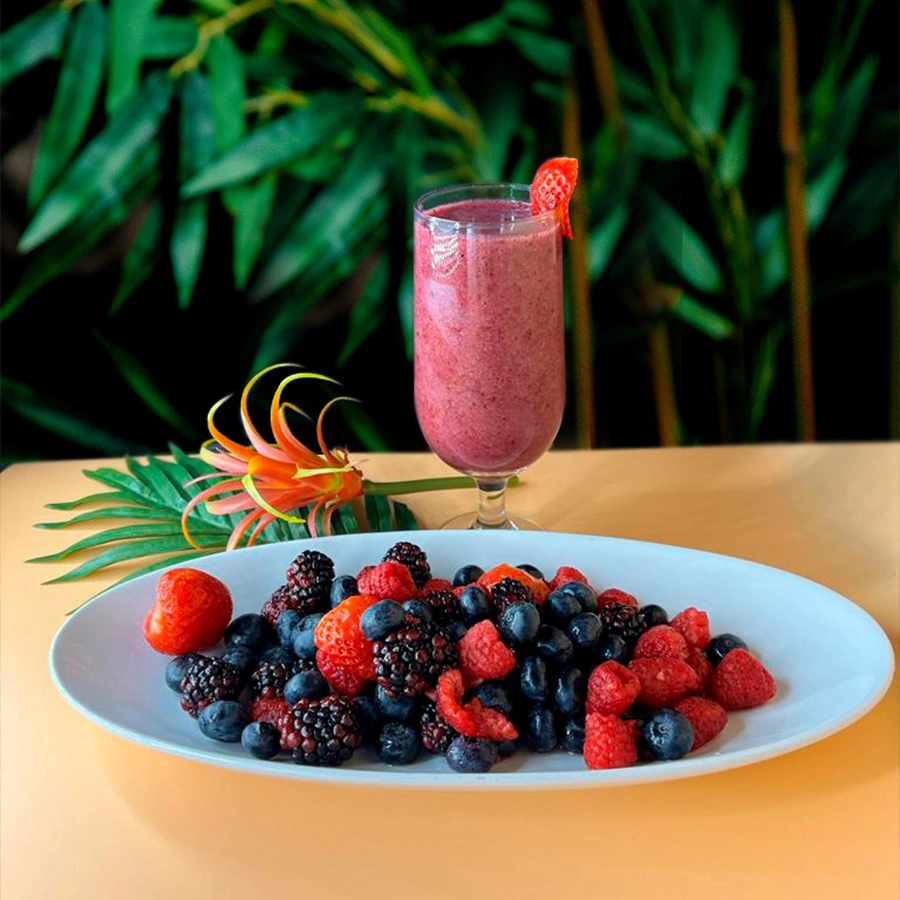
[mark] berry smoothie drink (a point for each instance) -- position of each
(489, 347)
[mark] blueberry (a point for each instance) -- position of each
(288, 620)
(668, 734)
(380, 619)
(177, 669)
(467, 575)
(223, 720)
(533, 571)
(475, 604)
(303, 637)
(506, 749)
(540, 729)
(569, 691)
(242, 658)
(553, 645)
(651, 615)
(572, 739)
(582, 592)
(398, 745)
(721, 645)
(250, 630)
(584, 632)
(560, 608)
(277, 655)
(519, 624)
(472, 755)
(367, 715)
(533, 678)
(496, 696)
(420, 609)
(342, 587)
(396, 709)
(261, 739)
(611, 647)
(308, 685)
(455, 630)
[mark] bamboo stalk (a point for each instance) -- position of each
(663, 384)
(604, 69)
(582, 320)
(795, 216)
(894, 337)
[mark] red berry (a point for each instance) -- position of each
(491, 723)
(494, 576)
(611, 689)
(343, 681)
(614, 595)
(565, 574)
(436, 584)
(693, 625)
(339, 636)
(448, 698)
(707, 717)
(552, 187)
(697, 660)
(268, 709)
(741, 681)
(609, 742)
(664, 680)
(661, 640)
(191, 612)
(482, 655)
(387, 581)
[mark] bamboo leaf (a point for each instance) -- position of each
(141, 381)
(74, 100)
(548, 53)
(682, 246)
(405, 304)
(139, 261)
(170, 37)
(187, 244)
(651, 137)
(228, 88)
(111, 512)
(122, 141)
(368, 311)
(481, 33)
(254, 202)
(31, 41)
(715, 69)
(701, 317)
(501, 110)
(603, 240)
(128, 20)
(683, 19)
(103, 496)
(732, 160)
(365, 428)
(765, 372)
(275, 143)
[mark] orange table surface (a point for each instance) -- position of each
(87, 814)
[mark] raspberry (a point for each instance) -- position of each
(612, 688)
(387, 581)
(448, 699)
(741, 681)
(706, 716)
(492, 724)
(321, 732)
(693, 625)
(482, 655)
(310, 576)
(697, 660)
(209, 679)
(191, 612)
(410, 660)
(284, 597)
(339, 636)
(436, 584)
(661, 640)
(508, 591)
(413, 558)
(565, 574)
(609, 742)
(346, 682)
(268, 709)
(445, 605)
(664, 680)
(614, 595)
(436, 732)
(539, 589)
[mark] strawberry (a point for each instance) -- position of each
(552, 188)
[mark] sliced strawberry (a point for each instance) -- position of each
(552, 188)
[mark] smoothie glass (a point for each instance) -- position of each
(490, 381)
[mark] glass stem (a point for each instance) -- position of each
(492, 505)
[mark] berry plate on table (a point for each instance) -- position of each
(431, 659)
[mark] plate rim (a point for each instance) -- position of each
(689, 767)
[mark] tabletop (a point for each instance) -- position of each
(84, 813)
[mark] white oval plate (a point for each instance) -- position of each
(831, 661)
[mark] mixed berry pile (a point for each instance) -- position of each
(474, 669)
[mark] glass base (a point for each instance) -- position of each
(469, 520)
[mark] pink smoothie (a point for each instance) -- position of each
(489, 349)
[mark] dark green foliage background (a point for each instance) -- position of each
(183, 231)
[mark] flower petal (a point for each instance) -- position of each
(252, 490)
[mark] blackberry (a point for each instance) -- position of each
(321, 732)
(283, 598)
(207, 680)
(436, 733)
(269, 679)
(413, 558)
(621, 620)
(410, 660)
(445, 605)
(310, 576)
(508, 591)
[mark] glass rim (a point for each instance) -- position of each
(499, 187)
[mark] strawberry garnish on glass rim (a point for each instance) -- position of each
(552, 188)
